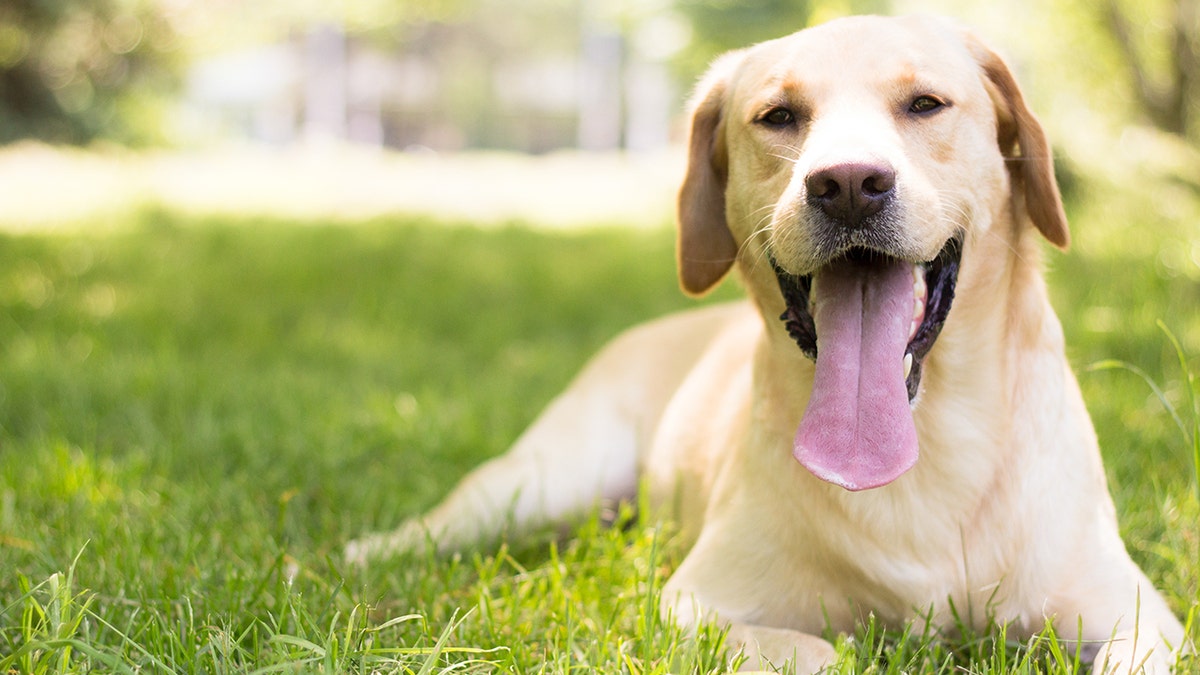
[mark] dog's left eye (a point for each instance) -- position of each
(925, 104)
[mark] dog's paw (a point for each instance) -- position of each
(778, 649)
(409, 538)
(1123, 655)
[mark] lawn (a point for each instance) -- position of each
(196, 413)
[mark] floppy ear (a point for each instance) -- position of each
(706, 248)
(1025, 147)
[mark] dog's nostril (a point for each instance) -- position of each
(851, 191)
(827, 190)
(879, 183)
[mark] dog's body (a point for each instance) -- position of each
(826, 164)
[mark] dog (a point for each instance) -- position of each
(888, 424)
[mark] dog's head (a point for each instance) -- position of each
(845, 168)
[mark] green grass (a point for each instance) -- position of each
(196, 414)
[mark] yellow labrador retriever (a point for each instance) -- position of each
(889, 424)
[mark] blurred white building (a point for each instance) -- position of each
(448, 87)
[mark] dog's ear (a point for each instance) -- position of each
(1025, 147)
(706, 248)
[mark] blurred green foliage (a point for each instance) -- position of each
(721, 25)
(77, 70)
(1158, 43)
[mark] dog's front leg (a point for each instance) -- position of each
(581, 451)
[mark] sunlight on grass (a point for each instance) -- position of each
(334, 184)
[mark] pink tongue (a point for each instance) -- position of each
(858, 429)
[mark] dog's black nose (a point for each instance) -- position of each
(852, 191)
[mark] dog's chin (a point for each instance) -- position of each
(934, 282)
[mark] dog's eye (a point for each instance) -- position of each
(925, 104)
(778, 117)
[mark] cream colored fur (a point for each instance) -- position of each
(1006, 513)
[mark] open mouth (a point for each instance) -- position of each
(868, 321)
(933, 291)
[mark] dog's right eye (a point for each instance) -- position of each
(778, 117)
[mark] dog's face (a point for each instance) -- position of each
(834, 149)
(847, 168)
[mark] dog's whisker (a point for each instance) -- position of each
(793, 150)
(788, 148)
(763, 228)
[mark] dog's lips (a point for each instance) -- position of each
(877, 318)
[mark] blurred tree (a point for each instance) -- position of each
(721, 25)
(72, 71)
(1160, 42)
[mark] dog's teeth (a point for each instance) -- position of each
(907, 365)
(919, 292)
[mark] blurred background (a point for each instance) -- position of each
(362, 106)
